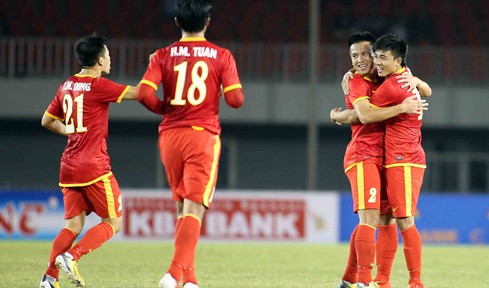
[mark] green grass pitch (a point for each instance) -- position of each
(141, 264)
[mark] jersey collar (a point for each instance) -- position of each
(191, 39)
(84, 75)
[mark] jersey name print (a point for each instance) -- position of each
(192, 71)
(82, 103)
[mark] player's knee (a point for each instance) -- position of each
(405, 223)
(75, 225)
(117, 226)
(115, 223)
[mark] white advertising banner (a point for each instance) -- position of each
(238, 215)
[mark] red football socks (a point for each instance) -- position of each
(365, 247)
(93, 239)
(189, 273)
(61, 243)
(412, 253)
(350, 273)
(387, 243)
(186, 239)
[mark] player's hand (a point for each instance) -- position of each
(151, 56)
(409, 81)
(414, 105)
(345, 83)
(332, 115)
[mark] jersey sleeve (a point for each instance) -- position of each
(359, 90)
(153, 75)
(109, 91)
(55, 108)
(229, 78)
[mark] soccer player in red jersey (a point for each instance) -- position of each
(80, 111)
(363, 158)
(192, 72)
(404, 159)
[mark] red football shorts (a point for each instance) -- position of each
(102, 197)
(403, 185)
(191, 159)
(365, 183)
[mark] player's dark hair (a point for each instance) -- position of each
(89, 48)
(361, 37)
(193, 14)
(393, 43)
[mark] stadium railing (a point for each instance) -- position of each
(283, 62)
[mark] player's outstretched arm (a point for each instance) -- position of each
(412, 82)
(53, 125)
(348, 116)
(131, 93)
(146, 95)
(234, 98)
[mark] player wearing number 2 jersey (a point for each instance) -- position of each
(80, 111)
(363, 163)
(192, 72)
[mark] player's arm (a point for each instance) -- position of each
(235, 96)
(412, 82)
(147, 87)
(131, 93)
(146, 95)
(345, 82)
(232, 90)
(53, 125)
(347, 116)
(369, 114)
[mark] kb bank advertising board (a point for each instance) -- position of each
(150, 215)
(302, 216)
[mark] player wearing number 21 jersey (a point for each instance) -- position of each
(82, 102)
(194, 74)
(80, 111)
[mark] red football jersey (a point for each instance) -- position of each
(192, 72)
(402, 140)
(82, 103)
(366, 139)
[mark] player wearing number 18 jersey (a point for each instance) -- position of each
(192, 72)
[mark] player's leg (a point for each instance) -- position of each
(105, 199)
(365, 244)
(199, 180)
(350, 274)
(366, 182)
(170, 147)
(186, 241)
(178, 223)
(406, 181)
(75, 206)
(188, 276)
(387, 241)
